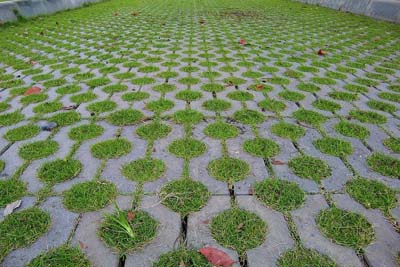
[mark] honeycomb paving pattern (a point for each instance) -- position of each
(269, 130)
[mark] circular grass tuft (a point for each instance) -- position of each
(143, 226)
(59, 170)
(10, 191)
(89, 196)
(187, 148)
(22, 133)
(47, 107)
(188, 116)
(238, 229)
(85, 132)
(240, 96)
(384, 164)
(213, 87)
(160, 105)
(372, 194)
(368, 116)
(153, 131)
(261, 147)
(221, 130)
(280, 195)
(177, 257)
(65, 118)
(184, 196)
(334, 146)
(288, 130)
(272, 105)
(310, 168)
(64, 256)
(248, 116)
(345, 228)
(228, 169)
(22, 229)
(188, 95)
(216, 105)
(11, 118)
(144, 170)
(310, 117)
(393, 143)
(102, 106)
(302, 257)
(135, 96)
(38, 149)
(352, 130)
(111, 148)
(125, 117)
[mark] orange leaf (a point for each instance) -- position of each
(33, 90)
(322, 52)
(82, 245)
(259, 87)
(130, 216)
(217, 257)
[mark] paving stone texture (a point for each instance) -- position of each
(264, 48)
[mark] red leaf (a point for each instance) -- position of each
(259, 87)
(130, 216)
(33, 90)
(242, 41)
(277, 162)
(322, 52)
(217, 257)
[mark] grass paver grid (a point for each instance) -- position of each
(239, 87)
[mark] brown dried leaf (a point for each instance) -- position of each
(217, 257)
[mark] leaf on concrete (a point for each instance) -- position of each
(33, 90)
(217, 257)
(11, 207)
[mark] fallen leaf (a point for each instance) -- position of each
(259, 87)
(116, 14)
(135, 14)
(217, 257)
(242, 41)
(130, 216)
(322, 52)
(11, 207)
(41, 33)
(202, 21)
(182, 264)
(82, 245)
(70, 107)
(33, 90)
(251, 191)
(206, 221)
(277, 162)
(240, 226)
(32, 62)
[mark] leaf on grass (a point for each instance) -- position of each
(130, 216)
(182, 264)
(277, 162)
(242, 41)
(11, 207)
(322, 52)
(33, 90)
(259, 87)
(217, 257)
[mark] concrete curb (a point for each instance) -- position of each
(380, 9)
(33, 8)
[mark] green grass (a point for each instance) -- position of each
(177, 257)
(216, 105)
(310, 117)
(272, 105)
(188, 95)
(59, 170)
(160, 105)
(22, 229)
(10, 191)
(248, 116)
(382, 106)
(85, 132)
(188, 116)
(135, 96)
(345, 228)
(153, 131)
(66, 118)
(102, 106)
(184, 196)
(334, 146)
(144, 170)
(187, 148)
(11, 118)
(38, 149)
(213, 87)
(47, 107)
(221, 130)
(291, 95)
(238, 229)
(390, 96)
(344, 96)
(393, 144)
(352, 130)
(89, 196)
(164, 88)
(228, 169)
(111, 148)
(368, 116)
(34, 98)
(261, 147)
(302, 257)
(308, 87)
(372, 194)
(327, 105)
(83, 97)
(384, 164)
(310, 168)
(288, 130)
(240, 95)
(125, 117)
(115, 88)
(63, 256)
(144, 229)
(279, 195)
(22, 133)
